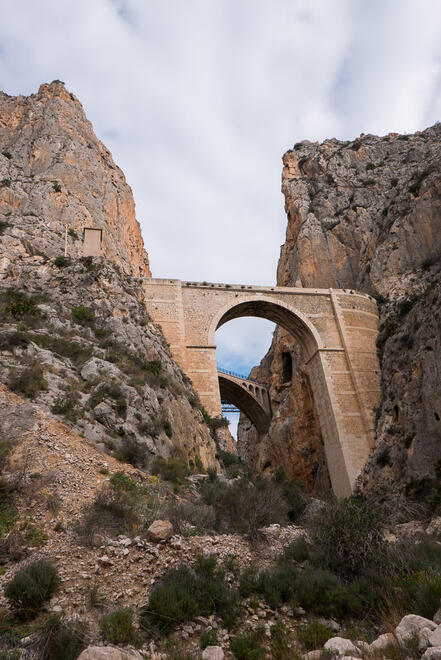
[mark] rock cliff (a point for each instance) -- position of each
(75, 335)
(54, 173)
(366, 215)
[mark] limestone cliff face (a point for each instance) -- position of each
(367, 215)
(75, 335)
(55, 172)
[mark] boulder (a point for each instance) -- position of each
(94, 367)
(434, 527)
(432, 653)
(435, 637)
(213, 653)
(160, 530)
(341, 646)
(411, 625)
(109, 653)
(383, 642)
(437, 616)
(312, 655)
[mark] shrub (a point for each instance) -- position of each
(133, 452)
(83, 315)
(5, 183)
(356, 145)
(113, 512)
(7, 154)
(11, 340)
(31, 587)
(122, 482)
(8, 515)
(66, 406)
(60, 640)
(277, 586)
(370, 166)
(184, 594)
(299, 550)
(61, 261)
(118, 626)
(172, 469)
(19, 305)
(383, 457)
(208, 638)
(244, 507)
(35, 537)
(404, 306)
(314, 635)
(30, 381)
(293, 493)
(167, 428)
(154, 366)
(3, 225)
(428, 262)
(64, 347)
(190, 518)
(56, 186)
(394, 182)
(322, 593)
(247, 646)
(349, 537)
(73, 234)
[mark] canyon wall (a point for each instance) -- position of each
(56, 173)
(364, 215)
(75, 335)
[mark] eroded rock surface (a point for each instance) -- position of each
(366, 215)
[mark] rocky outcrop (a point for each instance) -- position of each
(55, 173)
(366, 215)
(75, 335)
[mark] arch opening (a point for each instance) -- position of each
(290, 319)
(243, 399)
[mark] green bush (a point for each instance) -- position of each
(293, 493)
(117, 626)
(3, 226)
(244, 507)
(349, 537)
(133, 452)
(8, 515)
(172, 469)
(17, 304)
(56, 186)
(314, 635)
(122, 482)
(299, 550)
(248, 646)
(184, 594)
(62, 262)
(320, 592)
(112, 512)
(30, 381)
(64, 347)
(208, 638)
(190, 518)
(31, 587)
(11, 340)
(154, 366)
(83, 315)
(66, 406)
(60, 640)
(73, 234)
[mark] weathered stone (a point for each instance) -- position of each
(160, 530)
(383, 642)
(362, 215)
(413, 624)
(341, 646)
(108, 653)
(435, 637)
(213, 653)
(432, 653)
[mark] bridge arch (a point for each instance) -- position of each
(287, 316)
(337, 330)
(235, 393)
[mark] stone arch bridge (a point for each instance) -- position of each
(335, 328)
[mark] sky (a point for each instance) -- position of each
(199, 99)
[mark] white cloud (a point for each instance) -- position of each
(198, 101)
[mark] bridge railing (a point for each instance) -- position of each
(241, 376)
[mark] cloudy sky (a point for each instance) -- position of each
(199, 99)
